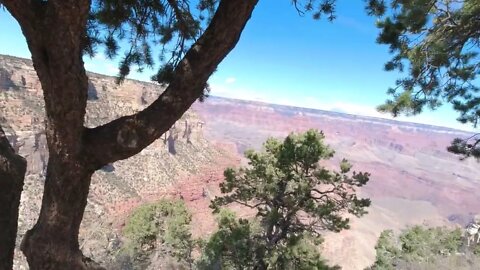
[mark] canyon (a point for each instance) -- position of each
(414, 179)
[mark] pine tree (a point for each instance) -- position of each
(437, 44)
(194, 37)
(295, 199)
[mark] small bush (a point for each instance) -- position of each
(423, 249)
(162, 228)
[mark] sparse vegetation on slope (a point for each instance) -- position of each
(293, 198)
(422, 248)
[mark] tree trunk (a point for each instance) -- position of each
(55, 31)
(12, 173)
(54, 37)
(53, 241)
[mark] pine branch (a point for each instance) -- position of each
(128, 135)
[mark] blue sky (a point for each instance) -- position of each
(288, 59)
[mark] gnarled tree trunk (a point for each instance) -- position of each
(12, 173)
(55, 30)
(54, 36)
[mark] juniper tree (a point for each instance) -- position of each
(193, 37)
(295, 199)
(437, 44)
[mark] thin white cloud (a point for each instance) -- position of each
(365, 110)
(218, 89)
(230, 80)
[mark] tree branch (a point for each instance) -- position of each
(22, 11)
(127, 136)
(180, 16)
(252, 206)
(324, 192)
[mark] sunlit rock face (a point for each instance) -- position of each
(182, 151)
(414, 179)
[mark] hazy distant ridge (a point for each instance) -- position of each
(292, 110)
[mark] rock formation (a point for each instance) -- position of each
(146, 174)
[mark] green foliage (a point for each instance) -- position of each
(469, 147)
(387, 250)
(164, 226)
(318, 7)
(238, 243)
(301, 254)
(437, 42)
(419, 244)
(294, 198)
(139, 27)
(174, 25)
(416, 246)
(231, 246)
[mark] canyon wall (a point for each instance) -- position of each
(179, 154)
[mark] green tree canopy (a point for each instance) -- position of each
(294, 198)
(437, 44)
(232, 246)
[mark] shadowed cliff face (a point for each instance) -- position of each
(181, 152)
(414, 179)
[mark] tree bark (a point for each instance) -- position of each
(12, 173)
(53, 241)
(54, 30)
(54, 33)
